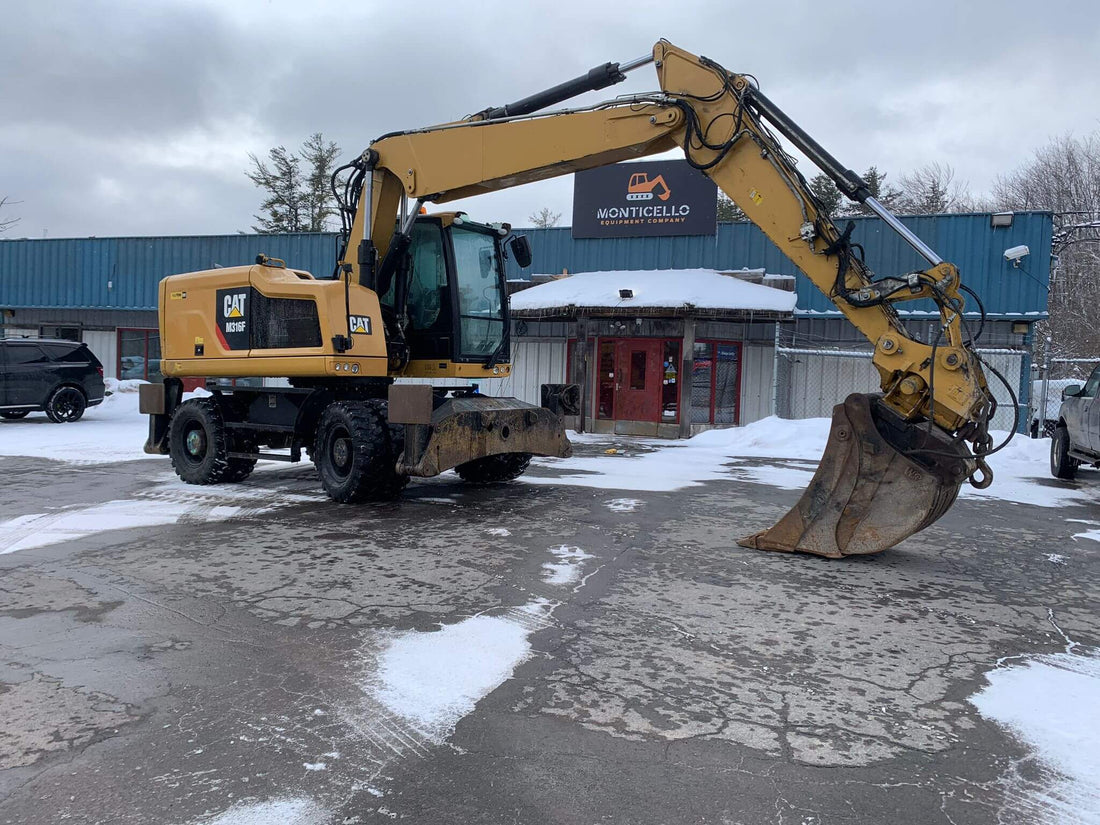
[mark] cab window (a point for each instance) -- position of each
(1092, 385)
(480, 302)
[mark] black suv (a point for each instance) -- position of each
(62, 378)
(1076, 439)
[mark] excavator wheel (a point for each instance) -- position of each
(199, 444)
(354, 453)
(880, 480)
(494, 468)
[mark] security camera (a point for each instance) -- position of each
(1016, 253)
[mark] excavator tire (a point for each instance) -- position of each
(199, 444)
(240, 468)
(354, 453)
(494, 468)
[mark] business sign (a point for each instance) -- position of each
(644, 199)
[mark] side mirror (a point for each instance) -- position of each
(521, 250)
(1070, 391)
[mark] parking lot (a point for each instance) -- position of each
(585, 645)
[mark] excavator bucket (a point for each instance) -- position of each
(880, 480)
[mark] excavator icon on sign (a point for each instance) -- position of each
(641, 187)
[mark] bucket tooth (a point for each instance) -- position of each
(880, 480)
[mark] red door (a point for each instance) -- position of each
(638, 374)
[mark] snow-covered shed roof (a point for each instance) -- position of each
(670, 289)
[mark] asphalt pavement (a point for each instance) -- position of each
(224, 664)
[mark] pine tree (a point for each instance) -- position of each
(296, 201)
(284, 207)
(320, 160)
(826, 193)
(728, 211)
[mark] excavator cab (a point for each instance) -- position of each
(455, 305)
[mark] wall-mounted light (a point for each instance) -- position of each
(1001, 219)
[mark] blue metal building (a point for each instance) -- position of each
(104, 290)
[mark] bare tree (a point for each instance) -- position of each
(7, 223)
(933, 190)
(1064, 177)
(544, 218)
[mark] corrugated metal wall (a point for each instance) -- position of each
(123, 273)
(968, 241)
(757, 374)
(74, 272)
(105, 346)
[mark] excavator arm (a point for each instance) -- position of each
(893, 464)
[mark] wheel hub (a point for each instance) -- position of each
(341, 453)
(195, 443)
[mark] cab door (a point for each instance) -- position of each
(1089, 414)
(28, 378)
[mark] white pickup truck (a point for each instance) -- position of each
(1076, 438)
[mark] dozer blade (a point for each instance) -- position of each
(880, 480)
(477, 426)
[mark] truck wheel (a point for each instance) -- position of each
(66, 404)
(354, 453)
(1062, 464)
(198, 443)
(494, 468)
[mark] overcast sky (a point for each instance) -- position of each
(136, 118)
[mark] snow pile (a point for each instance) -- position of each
(1021, 473)
(1053, 704)
(665, 288)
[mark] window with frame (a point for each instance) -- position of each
(139, 354)
(716, 382)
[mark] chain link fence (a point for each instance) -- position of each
(810, 382)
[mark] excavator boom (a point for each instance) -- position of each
(895, 462)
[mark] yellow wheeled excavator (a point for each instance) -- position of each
(416, 296)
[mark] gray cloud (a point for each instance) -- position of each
(128, 117)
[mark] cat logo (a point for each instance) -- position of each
(359, 324)
(233, 311)
(234, 305)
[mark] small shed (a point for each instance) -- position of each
(659, 352)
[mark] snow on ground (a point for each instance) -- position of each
(111, 431)
(431, 680)
(1052, 703)
(166, 503)
(567, 568)
(116, 431)
(282, 811)
(623, 505)
(1021, 470)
